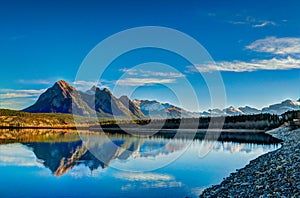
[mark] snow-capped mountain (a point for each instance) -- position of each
(233, 111)
(155, 109)
(287, 105)
(249, 110)
(280, 108)
(213, 112)
(230, 111)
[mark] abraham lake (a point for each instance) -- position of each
(59, 163)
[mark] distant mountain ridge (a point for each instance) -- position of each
(64, 98)
(280, 108)
(155, 109)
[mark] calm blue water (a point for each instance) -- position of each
(68, 169)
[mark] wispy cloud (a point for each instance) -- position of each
(85, 85)
(149, 73)
(20, 93)
(18, 98)
(17, 155)
(143, 81)
(147, 77)
(253, 22)
(253, 65)
(263, 24)
(238, 22)
(14, 95)
(16, 103)
(278, 46)
(144, 177)
(286, 50)
(211, 14)
(129, 71)
(149, 180)
(36, 82)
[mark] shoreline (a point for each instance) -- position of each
(127, 128)
(274, 174)
(227, 135)
(233, 135)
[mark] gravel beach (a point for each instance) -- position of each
(274, 174)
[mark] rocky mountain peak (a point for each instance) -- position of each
(60, 98)
(125, 97)
(92, 91)
(63, 85)
(93, 88)
(105, 90)
(132, 106)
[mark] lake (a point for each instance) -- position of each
(65, 164)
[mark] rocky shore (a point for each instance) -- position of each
(274, 174)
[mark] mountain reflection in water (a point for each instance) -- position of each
(60, 157)
(58, 163)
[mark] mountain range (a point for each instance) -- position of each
(64, 98)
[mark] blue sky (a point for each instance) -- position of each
(255, 44)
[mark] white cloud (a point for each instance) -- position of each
(264, 23)
(37, 81)
(81, 170)
(144, 177)
(211, 14)
(143, 81)
(148, 77)
(238, 22)
(18, 98)
(129, 71)
(287, 47)
(16, 103)
(17, 155)
(254, 22)
(20, 93)
(253, 65)
(147, 180)
(278, 46)
(149, 73)
(86, 85)
(28, 91)
(162, 74)
(14, 95)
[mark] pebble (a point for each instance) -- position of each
(274, 174)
